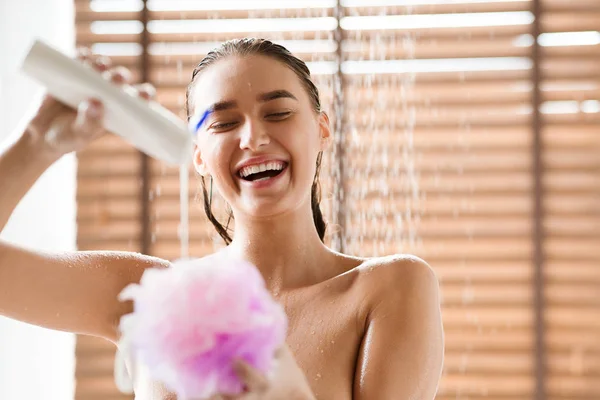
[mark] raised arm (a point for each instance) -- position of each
(75, 291)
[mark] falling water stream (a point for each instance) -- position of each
(184, 231)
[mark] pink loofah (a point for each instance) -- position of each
(192, 320)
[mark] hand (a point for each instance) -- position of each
(58, 129)
(287, 382)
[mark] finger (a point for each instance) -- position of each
(83, 54)
(89, 117)
(254, 380)
(101, 63)
(118, 75)
(146, 91)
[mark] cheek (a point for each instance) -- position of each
(218, 157)
(208, 150)
(305, 143)
(304, 150)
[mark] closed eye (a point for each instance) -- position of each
(279, 115)
(225, 125)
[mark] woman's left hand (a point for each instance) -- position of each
(287, 381)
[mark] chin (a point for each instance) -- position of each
(271, 207)
(265, 209)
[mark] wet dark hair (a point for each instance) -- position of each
(254, 46)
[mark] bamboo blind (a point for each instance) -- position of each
(460, 140)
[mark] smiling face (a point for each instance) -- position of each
(261, 139)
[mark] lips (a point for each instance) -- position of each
(257, 161)
(263, 176)
(264, 169)
(263, 179)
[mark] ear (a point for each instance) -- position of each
(199, 164)
(324, 130)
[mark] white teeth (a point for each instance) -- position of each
(268, 166)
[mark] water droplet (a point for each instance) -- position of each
(312, 332)
(318, 376)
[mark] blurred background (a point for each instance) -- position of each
(467, 133)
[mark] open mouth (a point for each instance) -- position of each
(262, 172)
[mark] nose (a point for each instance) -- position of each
(253, 136)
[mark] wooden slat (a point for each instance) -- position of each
(223, 36)
(439, 8)
(582, 21)
(558, 68)
(485, 385)
(486, 295)
(440, 33)
(570, 5)
(574, 385)
(87, 38)
(85, 15)
(363, 49)
(167, 15)
(583, 52)
(107, 209)
(118, 244)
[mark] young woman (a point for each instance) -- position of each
(359, 328)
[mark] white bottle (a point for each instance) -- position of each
(147, 125)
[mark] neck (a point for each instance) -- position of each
(286, 248)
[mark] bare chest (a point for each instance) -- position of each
(324, 335)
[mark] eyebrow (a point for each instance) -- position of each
(263, 97)
(275, 94)
(222, 105)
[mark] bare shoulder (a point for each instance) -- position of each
(398, 277)
(396, 269)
